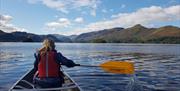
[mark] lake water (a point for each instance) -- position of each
(157, 66)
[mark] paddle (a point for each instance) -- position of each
(118, 67)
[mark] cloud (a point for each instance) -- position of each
(123, 6)
(33, 1)
(6, 26)
(144, 16)
(5, 19)
(104, 11)
(111, 10)
(60, 23)
(79, 20)
(173, 2)
(66, 5)
(148, 15)
(93, 12)
(174, 11)
(84, 3)
(56, 4)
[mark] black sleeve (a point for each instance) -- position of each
(64, 61)
(36, 55)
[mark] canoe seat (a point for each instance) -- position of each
(30, 84)
(59, 88)
(68, 84)
(24, 84)
(19, 87)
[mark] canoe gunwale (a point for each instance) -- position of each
(19, 80)
(73, 86)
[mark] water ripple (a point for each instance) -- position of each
(156, 69)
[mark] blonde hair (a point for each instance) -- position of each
(48, 45)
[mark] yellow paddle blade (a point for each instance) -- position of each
(118, 67)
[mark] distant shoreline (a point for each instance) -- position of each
(135, 34)
(94, 43)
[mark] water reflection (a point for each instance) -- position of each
(153, 72)
(157, 66)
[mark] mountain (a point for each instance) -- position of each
(29, 37)
(25, 37)
(6, 37)
(62, 38)
(135, 34)
(1, 32)
(88, 37)
(72, 37)
(115, 34)
(166, 31)
(166, 34)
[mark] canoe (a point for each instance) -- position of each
(25, 83)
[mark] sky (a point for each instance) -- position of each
(73, 17)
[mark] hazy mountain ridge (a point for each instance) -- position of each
(29, 37)
(62, 38)
(135, 34)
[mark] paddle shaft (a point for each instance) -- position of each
(87, 65)
(119, 67)
(93, 66)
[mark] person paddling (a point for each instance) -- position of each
(47, 66)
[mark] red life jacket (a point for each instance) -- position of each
(48, 67)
